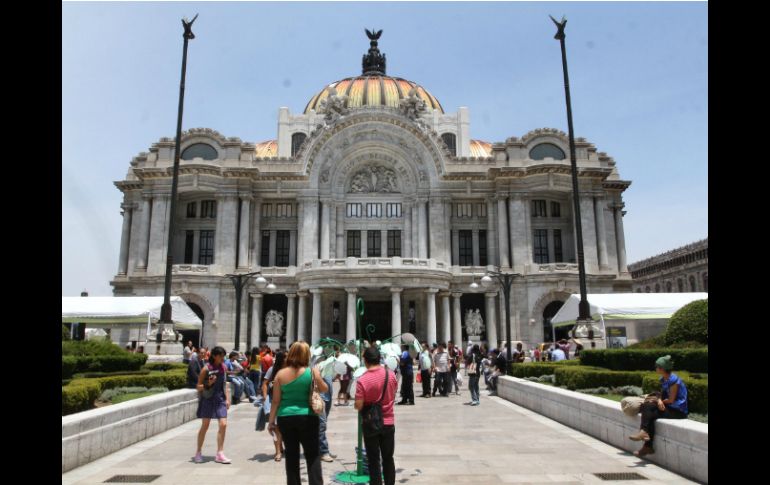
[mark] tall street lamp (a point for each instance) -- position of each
(240, 280)
(165, 310)
(584, 313)
(506, 281)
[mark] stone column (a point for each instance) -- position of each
(415, 230)
(395, 313)
(446, 317)
(302, 316)
(384, 243)
(292, 248)
(456, 247)
(439, 235)
(144, 233)
(340, 228)
(493, 258)
(300, 236)
(602, 233)
(589, 233)
(290, 336)
(431, 304)
(156, 258)
(423, 229)
(125, 239)
(364, 244)
(621, 241)
(407, 214)
(315, 326)
(457, 326)
(256, 320)
(256, 235)
(350, 330)
(502, 232)
(475, 242)
(325, 229)
(492, 339)
(519, 227)
(273, 241)
(224, 245)
(243, 233)
(310, 229)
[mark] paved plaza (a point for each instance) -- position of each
(439, 440)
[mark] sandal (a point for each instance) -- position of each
(278, 456)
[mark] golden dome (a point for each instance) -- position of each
(267, 148)
(481, 148)
(374, 90)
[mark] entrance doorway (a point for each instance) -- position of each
(561, 332)
(377, 314)
(193, 335)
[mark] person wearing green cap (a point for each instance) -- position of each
(672, 404)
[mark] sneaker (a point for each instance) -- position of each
(198, 458)
(327, 458)
(221, 458)
(640, 436)
(475, 403)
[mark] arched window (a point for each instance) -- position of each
(451, 142)
(657, 288)
(296, 141)
(680, 285)
(692, 284)
(646, 289)
(548, 313)
(638, 290)
(200, 150)
(547, 150)
(706, 282)
(668, 287)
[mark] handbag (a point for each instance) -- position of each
(208, 389)
(419, 377)
(261, 419)
(631, 405)
(372, 422)
(316, 403)
(472, 368)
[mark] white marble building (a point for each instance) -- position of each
(373, 191)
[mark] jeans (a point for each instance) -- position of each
(453, 381)
(425, 374)
(256, 378)
(651, 413)
(248, 385)
(304, 430)
(237, 388)
(407, 391)
(381, 445)
(323, 443)
(442, 379)
(473, 385)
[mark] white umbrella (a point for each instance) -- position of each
(316, 350)
(408, 338)
(359, 372)
(390, 349)
(350, 360)
(391, 362)
(415, 348)
(328, 367)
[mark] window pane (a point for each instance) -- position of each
(354, 244)
(189, 241)
(296, 141)
(538, 208)
(264, 252)
(394, 243)
(191, 209)
(208, 209)
(483, 248)
(541, 246)
(466, 248)
(200, 150)
(557, 252)
(555, 209)
(206, 248)
(373, 244)
(451, 142)
(544, 150)
(282, 249)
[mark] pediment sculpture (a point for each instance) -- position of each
(334, 106)
(373, 179)
(412, 107)
(274, 323)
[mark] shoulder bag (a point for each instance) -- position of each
(316, 403)
(372, 422)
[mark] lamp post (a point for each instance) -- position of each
(506, 281)
(239, 282)
(584, 313)
(165, 310)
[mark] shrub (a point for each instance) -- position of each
(68, 364)
(537, 369)
(164, 366)
(657, 342)
(65, 332)
(109, 363)
(91, 347)
(590, 377)
(697, 390)
(109, 394)
(79, 395)
(92, 375)
(695, 360)
(689, 324)
(627, 390)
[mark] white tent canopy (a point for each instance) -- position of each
(625, 306)
(105, 311)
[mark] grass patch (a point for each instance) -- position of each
(133, 395)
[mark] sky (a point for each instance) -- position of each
(638, 79)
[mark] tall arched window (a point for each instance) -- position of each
(693, 288)
(706, 282)
(200, 150)
(547, 150)
(657, 288)
(646, 289)
(668, 287)
(680, 285)
(296, 141)
(451, 142)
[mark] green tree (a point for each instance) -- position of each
(689, 324)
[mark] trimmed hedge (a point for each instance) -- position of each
(80, 394)
(694, 360)
(65, 332)
(689, 324)
(584, 377)
(92, 375)
(72, 364)
(90, 347)
(537, 369)
(697, 390)
(164, 366)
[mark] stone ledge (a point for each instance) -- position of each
(93, 434)
(680, 445)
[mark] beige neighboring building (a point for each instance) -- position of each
(373, 191)
(681, 270)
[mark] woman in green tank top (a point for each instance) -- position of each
(295, 420)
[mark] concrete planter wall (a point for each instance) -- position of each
(681, 445)
(93, 434)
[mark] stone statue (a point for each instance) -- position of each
(374, 179)
(413, 106)
(334, 106)
(474, 323)
(274, 323)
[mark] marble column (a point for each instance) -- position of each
(457, 325)
(430, 300)
(493, 258)
(310, 229)
(407, 214)
(315, 325)
(243, 233)
(224, 245)
(292, 248)
(455, 248)
(491, 324)
(300, 236)
(256, 235)
(340, 228)
(325, 228)
(156, 259)
(273, 245)
(415, 230)
(350, 330)
(383, 243)
(621, 240)
(502, 232)
(302, 316)
(256, 320)
(423, 229)
(439, 234)
(602, 233)
(589, 233)
(395, 313)
(519, 227)
(144, 233)
(290, 335)
(475, 242)
(125, 239)
(446, 317)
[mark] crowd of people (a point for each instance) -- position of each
(282, 383)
